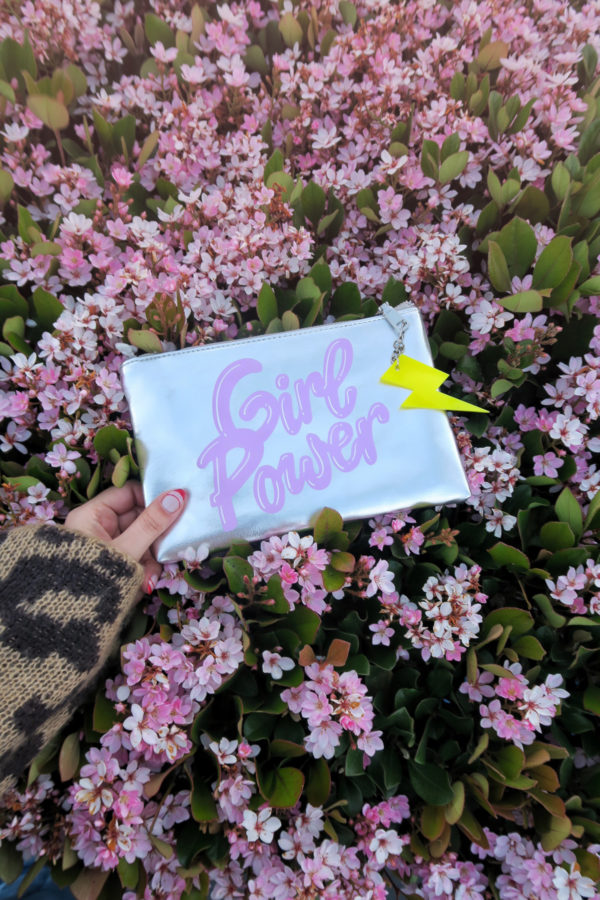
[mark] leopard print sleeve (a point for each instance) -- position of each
(63, 600)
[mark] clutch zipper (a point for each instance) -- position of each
(394, 318)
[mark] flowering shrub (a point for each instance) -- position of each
(408, 703)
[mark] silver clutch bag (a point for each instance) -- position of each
(264, 432)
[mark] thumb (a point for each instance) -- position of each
(151, 523)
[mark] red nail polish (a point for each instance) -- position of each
(150, 584)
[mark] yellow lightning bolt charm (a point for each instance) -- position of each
(424, 382)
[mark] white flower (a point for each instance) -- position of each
(572, 885)
(325, 138)
(262, 826)
(76, 224)
(224, 751)
(384, 844)
(193, 556)
(275, 665)
(139, 733)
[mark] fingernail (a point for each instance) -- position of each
(173, 501)
(151, 583)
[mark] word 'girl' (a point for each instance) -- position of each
(343, 447)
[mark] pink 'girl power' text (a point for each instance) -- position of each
(343, 448)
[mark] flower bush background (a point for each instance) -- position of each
(412, 699)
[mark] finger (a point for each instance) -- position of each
(151, 523)
(128, 518)
(152, 573)
(121, 499)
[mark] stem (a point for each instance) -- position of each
(60, 146)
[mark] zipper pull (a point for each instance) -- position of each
(393, 317)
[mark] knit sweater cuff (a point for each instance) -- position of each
(63, 599)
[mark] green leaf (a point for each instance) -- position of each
(255, 61)
(505, 555)
(557, 536)
(22, 482)
(287, 749)
(290, 321)
(450, 146)
(51, 111)
(303, 622)
(6, 185)
(342, 561)
(11, 862)
(561, 180)
(27, 228)
(266, 305)
(469, 825)
(281, 788)
(290, 30)
(518, 242)
(318, 786)
(68, 758)
(498, 268)
(110, 438)
(104, 714)
(453, 166)
(332, 579)
(327, 526)
(148, 147)
(455, 807)
(47, 308)
(568, 510)
(591, 699)
(129, 873)
(348, 11)
(17, 58)
(313, 201)
(489, 56)
(533, 205)
(121, 472)
(354, 765)
(430, 782)
(124, 133)
(430, 159)
(328, 220)
(203, 806)
(144, 340)
(519, 620)
(590, 287)
(553, 264)
(552, 618)
(523, 301)
(275, 164)
(529, 647)
(7, 91)
(157, 30)
(307, 289)
(552, 829)
(236, 569)
(593, 510)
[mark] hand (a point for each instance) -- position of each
(118, 516)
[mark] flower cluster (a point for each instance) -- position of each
(448, 618)
(579, 589)
(518, 709)
(308, 863)
(299, 563)
(527, 869)
(333, 704)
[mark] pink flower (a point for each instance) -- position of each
(275, 665)
(261, 826)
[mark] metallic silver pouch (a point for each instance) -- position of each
(266, 431)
